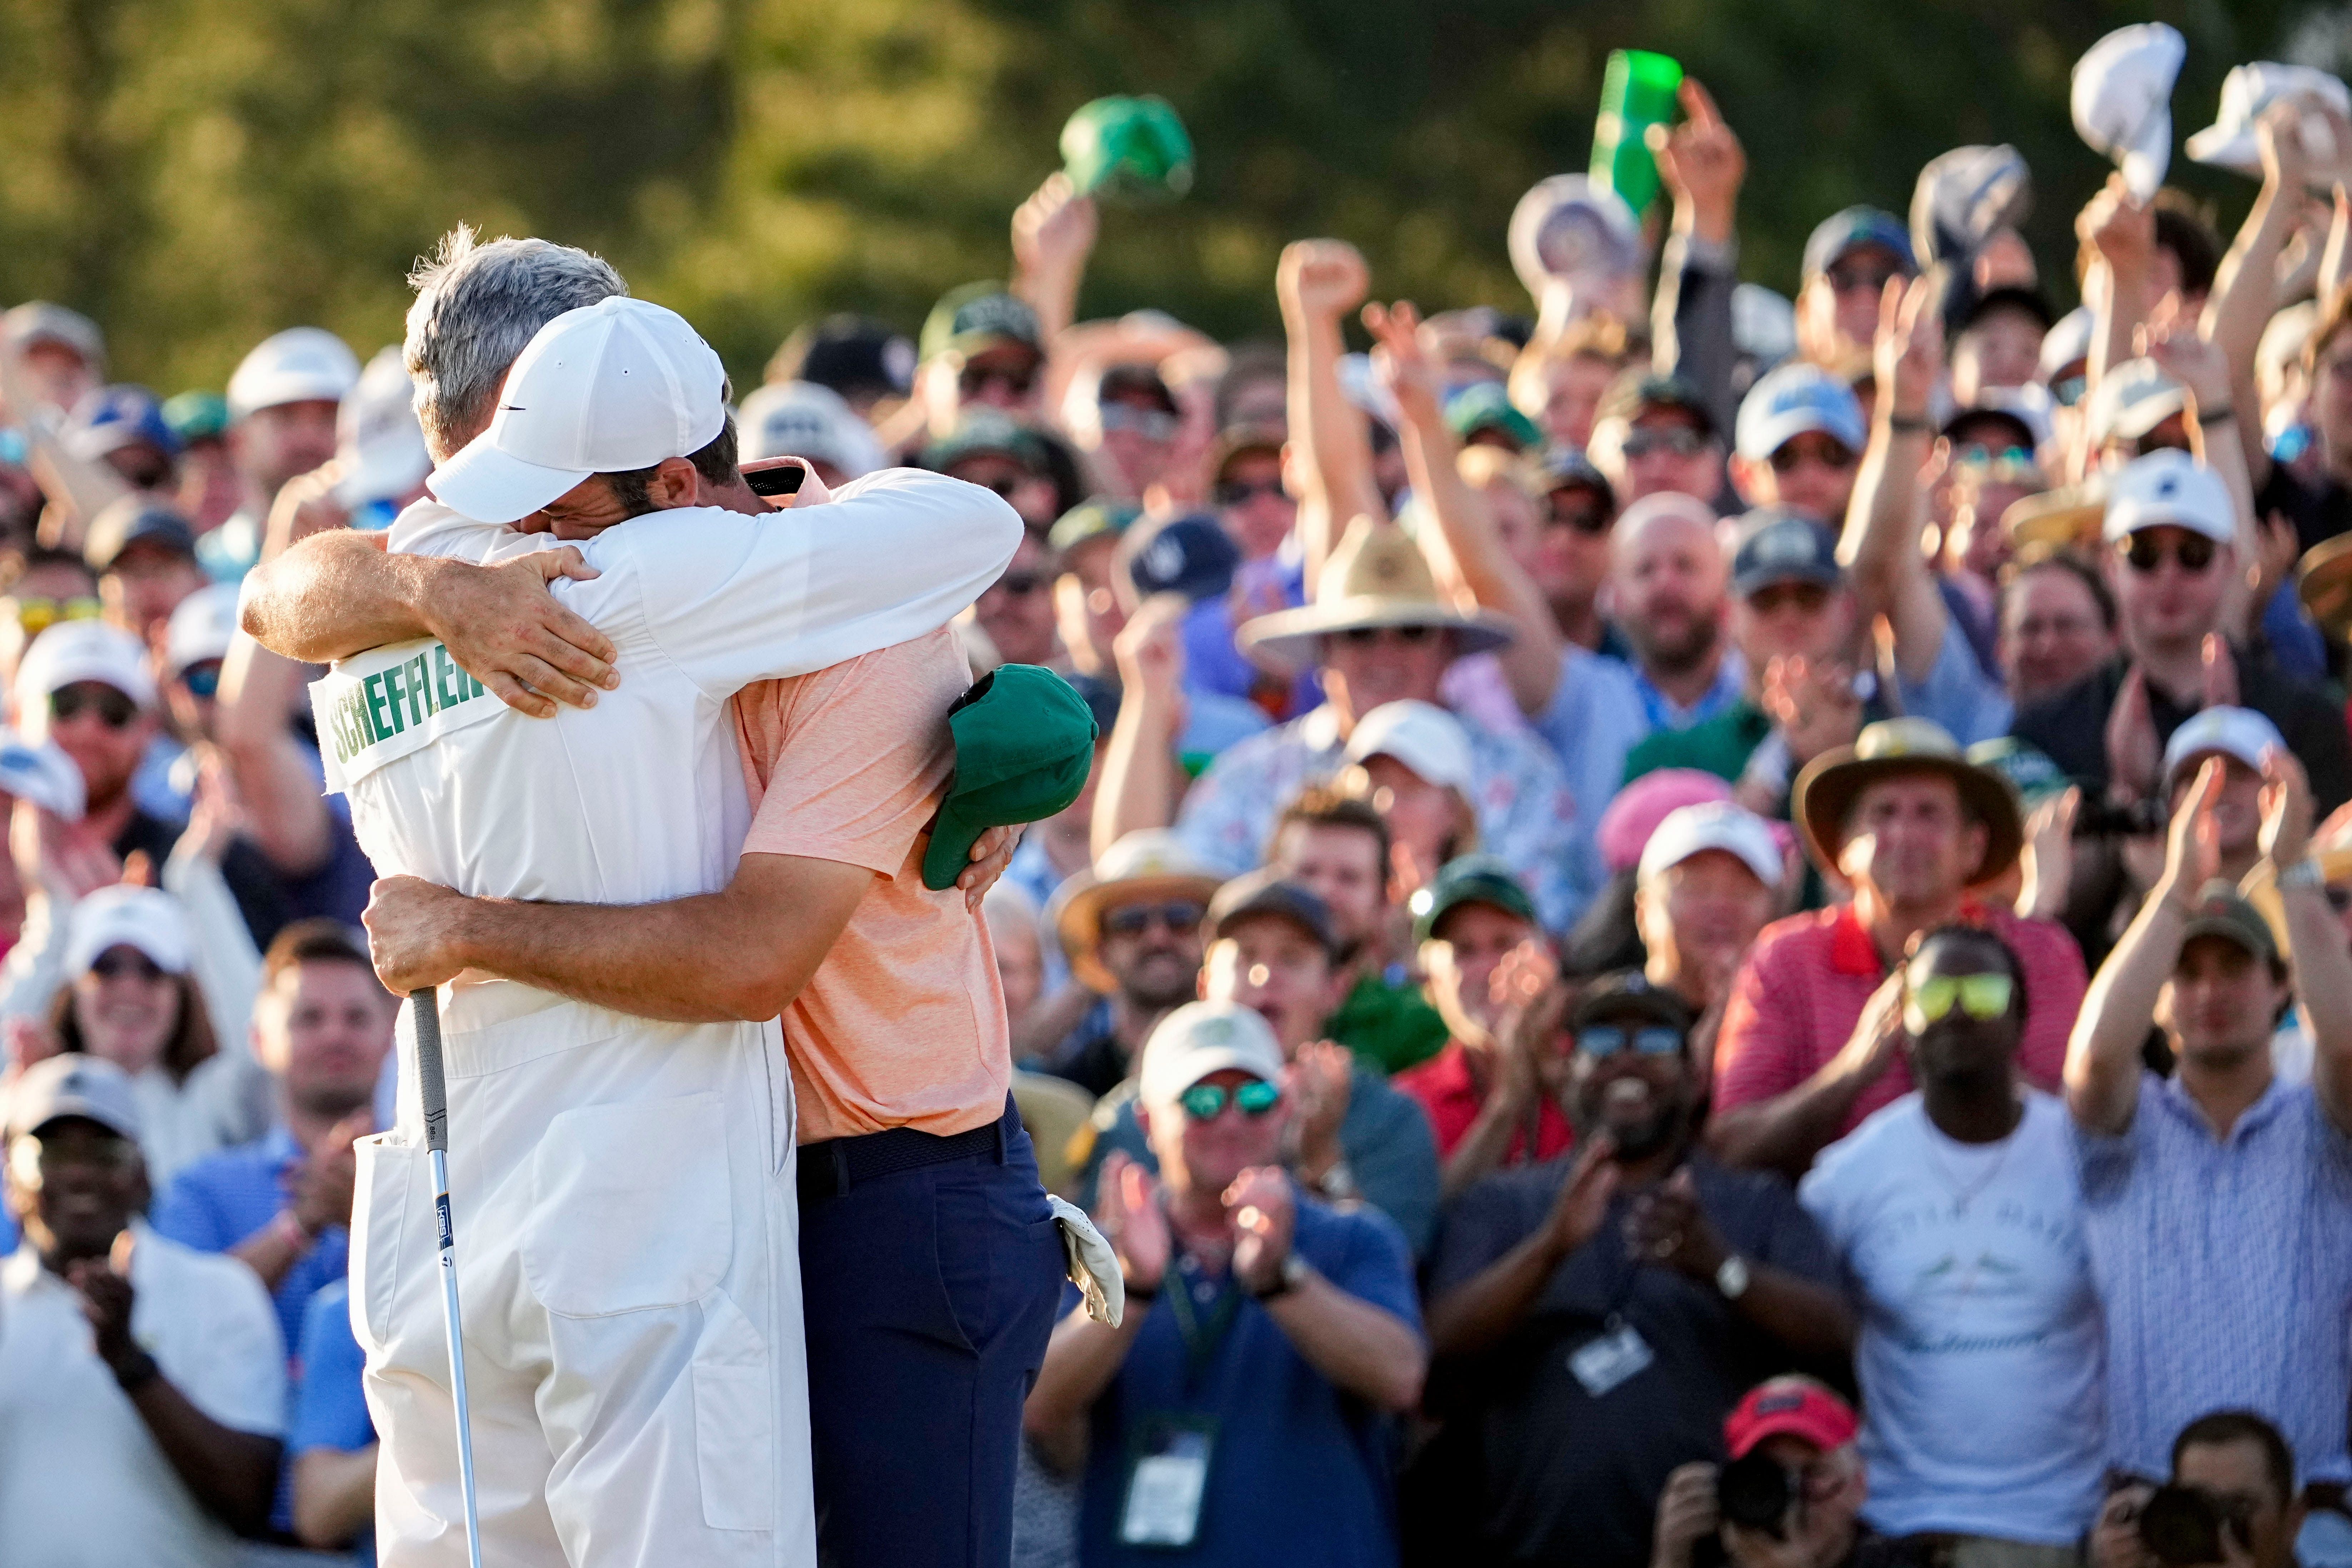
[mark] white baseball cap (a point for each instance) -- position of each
(802, 419)
(301, 365)
(2248, 89)
(73, 651)
(1200, 1038)
(2133, 398)
(609, 388)
(1422, 736)
(2238, 732)
(1689, 830)
(41, 774)
(202, 627)
(2068, 341)
(2168, 487)
(379, 444)
(2123, 100)
(74, 1083)
(147, 919)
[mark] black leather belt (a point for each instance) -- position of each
(829, 1168)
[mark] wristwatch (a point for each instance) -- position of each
(2304, 876)
(1295, 1270)
(1338, 1182)
(1731, 1277)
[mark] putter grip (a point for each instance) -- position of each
(424, 1012)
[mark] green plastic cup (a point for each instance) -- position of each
(1128, 148)
(1637, 91)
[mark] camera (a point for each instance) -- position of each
(2183, 1525)
(1756, 1491)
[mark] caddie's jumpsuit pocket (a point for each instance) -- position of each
(629, 1208)
(388, 1176)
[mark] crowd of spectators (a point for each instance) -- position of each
(1713, 934)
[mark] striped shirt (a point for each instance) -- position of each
(2224, 1270)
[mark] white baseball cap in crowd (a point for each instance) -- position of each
(41, 774)
(609, 388)
(2133, 398)
(147, 919)
(2173, 489)
(202, 627)
(73, 651)
(2066, 343)
(37, 321)
(2123, 100)
(802, 419)
(73, 1083)
(301, 365)
(1723, 825)
(1422, 736)
(2249, 90)
(2238, 732)
(1200, 1038)
(1567, 226)
(379, 444)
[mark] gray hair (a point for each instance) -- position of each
(479, 304)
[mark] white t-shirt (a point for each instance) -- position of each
(641, 797)
(1981, 1355)
(82, 1482)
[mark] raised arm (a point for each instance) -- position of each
(1318, 282)
(1140, 783)
(2245, 289)
(2315, 936)
(1531, 658)
(1053, 235)
(339, 593)
(2102, 1057)
(2172, 340)
(1881, 545)
(1702, 165)
(2122, 235)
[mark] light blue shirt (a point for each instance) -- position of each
(1958, 694)
(2224, 1268)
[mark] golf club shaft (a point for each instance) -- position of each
(433, 1089)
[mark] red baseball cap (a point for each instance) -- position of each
(1798, 1406)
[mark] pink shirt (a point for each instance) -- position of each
(1803, 988)
(1444, 1087)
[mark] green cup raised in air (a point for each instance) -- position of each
(1128, 148)
(1637, 91)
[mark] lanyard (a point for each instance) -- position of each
(1202, 1335)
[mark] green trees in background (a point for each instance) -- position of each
(198, 172)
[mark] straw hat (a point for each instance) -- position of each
(1377, 577)
(2324, 581)
(1825, 792)
(1149, 863)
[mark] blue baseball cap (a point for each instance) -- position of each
(1782, 547)
(113, 418)
(1793, 399)
(1192, 555)
(1849, 230)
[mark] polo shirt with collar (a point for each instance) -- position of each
(2224, 1271)
(1803, 986)
(82, 1482)
(222, 1199)
(1450, 1097)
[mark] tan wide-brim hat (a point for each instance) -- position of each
(2324, 582)
(2067, 519)
(1149, 865)
(1377, 577)
(1825, 792)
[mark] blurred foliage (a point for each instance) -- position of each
(198, 172)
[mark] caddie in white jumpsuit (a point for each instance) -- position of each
(622, 1189)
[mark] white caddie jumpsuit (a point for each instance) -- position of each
(621, 1190)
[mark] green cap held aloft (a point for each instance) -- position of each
(1023, 744)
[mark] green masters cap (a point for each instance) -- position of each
(1024, 743)
(196, 416)
(1469, 880)
(980, 316)
(980, 430)
(1098, 518)
(1487, 406)
(1128, 148)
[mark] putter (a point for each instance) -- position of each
(433, 1090)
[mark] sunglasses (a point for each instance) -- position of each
(1234, 492)
(1981, 996)
(1603, 1040)
(1828, 454)
(1366, 636)
(1587, 519)
(975, 379)
(2146, 552)
(1681, 441)
(2014, 465)
(1846, 280)
(1207, 1102)
(1152, 423)
(202, 677)
(37, 616)
(1012, 584)
(126, 966)
(1181, 918)
(114, 709)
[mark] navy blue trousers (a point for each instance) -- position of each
(930, 1295)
